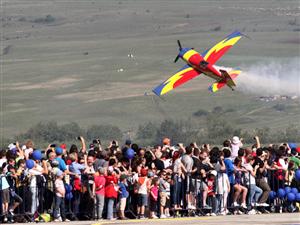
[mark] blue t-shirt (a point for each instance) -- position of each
(123, 191)
(75, 167)
(61, 164)
(3, 183)
(229, 169)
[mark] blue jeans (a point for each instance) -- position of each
(219, 203)
(76, 201)
(59, 209)
(110, 208)
(177, 190)
(100, 200)
(254, 194)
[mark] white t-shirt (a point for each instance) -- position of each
(283, 164)
(223, 180)
(249, 167)
(60, 188)
(167, 163)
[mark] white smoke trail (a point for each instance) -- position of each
(271, 78)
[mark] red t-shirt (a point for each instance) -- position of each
(110, 191)
(100, 185)
(210, 186)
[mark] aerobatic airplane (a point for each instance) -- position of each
(203, 63)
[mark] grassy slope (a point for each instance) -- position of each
(47, 75)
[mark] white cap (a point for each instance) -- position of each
(213, 172)
(236, 140)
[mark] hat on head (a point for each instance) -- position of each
(54, 163)
(213, 172)
(298, 149)
(59, 173)
(58, 151)
(236, 140)
(123, 176)
(11, 146)
(128, 142)
(63, 146)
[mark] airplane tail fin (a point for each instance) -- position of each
(227, 80)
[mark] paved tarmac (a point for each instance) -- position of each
(274, 219)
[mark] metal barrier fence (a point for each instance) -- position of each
(30, 201)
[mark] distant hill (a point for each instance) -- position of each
(92, 61)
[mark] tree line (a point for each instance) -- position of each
(215, 130)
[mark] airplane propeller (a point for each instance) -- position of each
(180, 48)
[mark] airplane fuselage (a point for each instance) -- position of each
(195, 60)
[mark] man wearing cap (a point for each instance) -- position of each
(62, 165)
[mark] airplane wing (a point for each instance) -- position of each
(216, 52)
(185, 74)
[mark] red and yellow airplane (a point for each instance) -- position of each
(203, 63)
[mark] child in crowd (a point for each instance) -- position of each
(211, 191)
(123, 195)
(168, 193)
(154, 198)
(60, 191)
(4, 189)
(163, 193)
(223, 189)
(99, 191)
(143, 186)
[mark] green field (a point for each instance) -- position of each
(61, 60)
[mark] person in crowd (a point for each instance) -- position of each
(187, 162)
(163, 186)
(154, 197)
(99, 191)
(294, 158)
(111, 192)
(37, 181)
(12, 178)
(5, 195)
(236, 144)
(240, 191)
(260, 176)
(178, 177)
(254, 191)
(60, 191)
(123, 195)
(229, 171)
(143, 186)
(281, 165)
(211, 191)
(223, 190)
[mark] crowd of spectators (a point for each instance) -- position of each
(93, 182)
